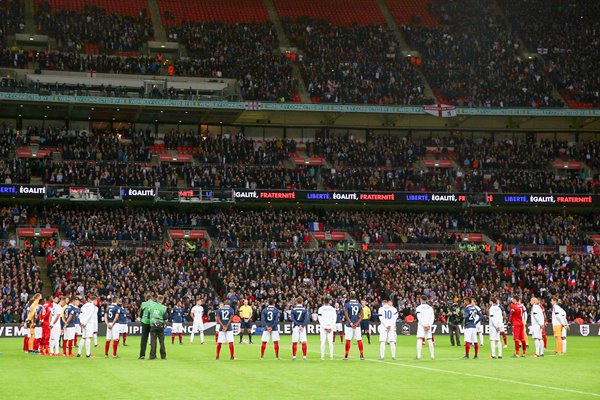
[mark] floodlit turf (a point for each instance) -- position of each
(191, 372)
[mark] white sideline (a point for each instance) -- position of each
(493, 378)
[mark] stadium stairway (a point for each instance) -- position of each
(29, 8)
(284, 43)
(391, 23)
(44, 276)
(160, 34)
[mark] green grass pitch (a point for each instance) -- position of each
(191, 372)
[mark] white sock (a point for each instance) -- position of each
(201, 336)
(322, 348)
(499, 348)
(564, 345)
(382, 349)
(88, 344)
(419, 347)
(493, 346)
(192, 338)
(431, 348)
(95, 339)
(481, 339)
(81, 343)
(393, 349)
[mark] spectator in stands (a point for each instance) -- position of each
(358, 64)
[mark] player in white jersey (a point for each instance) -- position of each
(479, 323)
(538, 321)
(94, 322)
(388, 315)
(496, 327)
(55, 327)
(86, 321)
(560, 325)
(425, 318)
(327, 320)
(197, 313)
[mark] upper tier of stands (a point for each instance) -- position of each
(565, 34)
(12, 20)
(175, 12)
(338, 12)
(412, 12)
(472, 58)
(129, 7)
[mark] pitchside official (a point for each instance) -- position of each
(145, 319)
(157, 327)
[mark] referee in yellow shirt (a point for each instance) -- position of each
(246, 316)
(364, 324)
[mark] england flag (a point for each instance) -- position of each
(440, 110)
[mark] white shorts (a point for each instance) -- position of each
(338, 327)
(124, 328)
(536, 332)
(55, 332)
(423, 334)
(87, 331)
(37, 332)
(495, 333)
(386, 336)
(298, 335)
(177, 327)
(94, 328)
(225, 337)
(326, 335)
(273, 335)
(78, 329)
(114, 332)
(69, 333)
(352, 333)
(198, 327)
(479, 328)
(471, 335)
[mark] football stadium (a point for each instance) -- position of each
(341, 199)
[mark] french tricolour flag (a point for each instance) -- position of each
(316, 226)
(571, 280)
(515, 251)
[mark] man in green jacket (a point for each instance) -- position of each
(157, 327)
(145, 319)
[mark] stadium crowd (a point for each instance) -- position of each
(357, 64)
(283, 262)
(12, 20)
(473, 59)
(243, 51)
(94, 26)
(567, 44)
(404, 276)
(19, 279)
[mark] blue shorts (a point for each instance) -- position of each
(246, 325)
(364, 324)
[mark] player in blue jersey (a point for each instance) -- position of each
(123, 321)
(472, 316)
(71, 319)
(339, 323)
(270, 321)
(300, 318)
(353, 312)
(223, 317)
(113, 329)
(177, 326)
